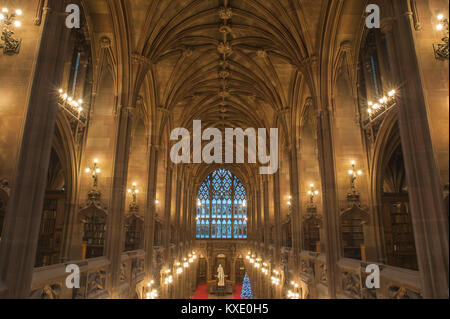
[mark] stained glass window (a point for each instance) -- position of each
(221, 207)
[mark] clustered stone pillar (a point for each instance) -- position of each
(296, 210)
(277, 213)
(24, 211)
(115, 221)
(150, 212)
(329, 195)
(167, 208)
(428, 213)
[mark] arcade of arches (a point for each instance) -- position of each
(86, 175)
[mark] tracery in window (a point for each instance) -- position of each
(221, 207)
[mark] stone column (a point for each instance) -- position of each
(259, 227)
(184, 228)
(167, 208)
(329, 198)
(296, 208)
(277, 213)
(251, 215)
(428, 213)
(150, 211)
(24, 210)
(115, 220)
(266, 215)
(178, 237)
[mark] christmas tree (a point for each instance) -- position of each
(246, 289)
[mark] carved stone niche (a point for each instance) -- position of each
(352, 221)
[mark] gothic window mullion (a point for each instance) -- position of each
(223, 194)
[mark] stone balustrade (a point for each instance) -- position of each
(50, 282)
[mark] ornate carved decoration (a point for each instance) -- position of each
(105, 42)
(307, 267)
(50, 291)
(94, 197)
(187, 52)
(225, 13)
(400, 292)
(225, 48)
(96, 282)
(123, 272)
(4, 186)
(262, 53)
(323, 275)
(8, 43)
(351, 284)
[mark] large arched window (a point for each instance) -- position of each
(222, 207)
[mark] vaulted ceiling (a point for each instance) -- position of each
(228, 63)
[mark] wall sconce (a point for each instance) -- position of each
(8, 43)
(312, 192)
(185, 263)
(294, 294)
(275, 278)
(353, 176)
(133, 192)
(265, 269)
(257, 263)
(94, 170)
(148, 292)
(441, 49)
(168, 277)
(289, 203)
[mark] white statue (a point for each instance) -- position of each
(221, 276)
